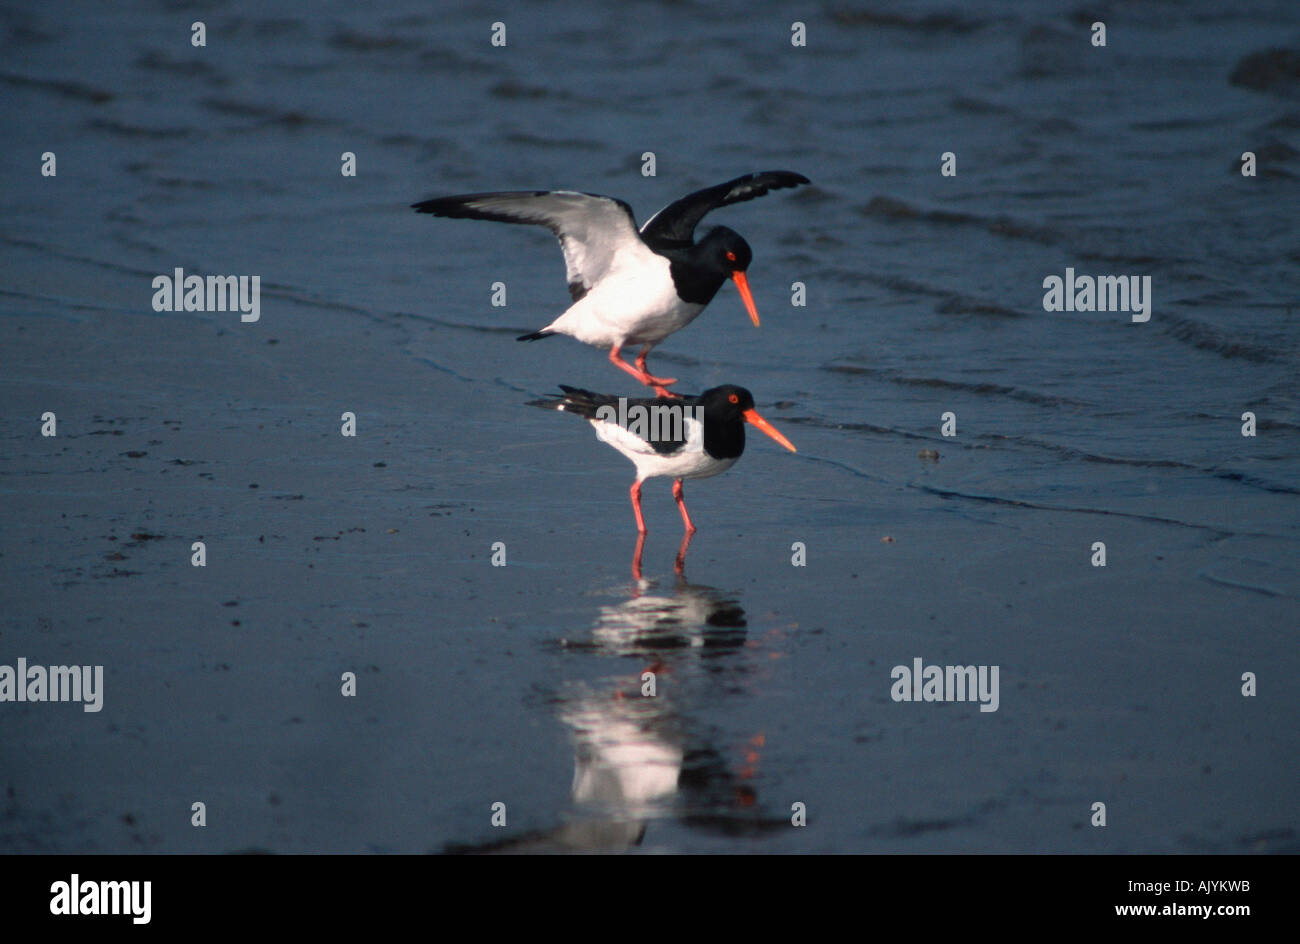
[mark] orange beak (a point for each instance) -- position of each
(752, 417)
(742, 283)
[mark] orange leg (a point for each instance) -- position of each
(681, 503)
(659, 383)
(636, 506)
(639, 371)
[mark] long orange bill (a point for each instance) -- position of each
(746, 296)
(752, 417)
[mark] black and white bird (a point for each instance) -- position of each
(686, 437)
(630, 286)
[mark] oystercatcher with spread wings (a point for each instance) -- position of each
(690, 437)
(630, 286)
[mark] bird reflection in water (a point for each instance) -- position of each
(679, 565)
(639, 759)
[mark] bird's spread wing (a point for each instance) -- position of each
(674, 226)
(591, 229)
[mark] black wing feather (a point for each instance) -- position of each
(586, 404)
(673, 227)
(460, 208)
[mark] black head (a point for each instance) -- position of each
(727, 403)
(726, 411)
(699, 272)
(725, 251)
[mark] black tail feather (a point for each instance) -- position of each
(587, 404)
(536, 335)
(582, 402)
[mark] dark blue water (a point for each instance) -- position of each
(522, 684)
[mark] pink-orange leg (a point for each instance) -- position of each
(636, 506)
(639, 371)
(681, 503)
(661, 388)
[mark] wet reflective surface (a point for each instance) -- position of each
(643, 750)
(521, 684)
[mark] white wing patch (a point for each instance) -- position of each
(625, 442)
(592, 230)
(689, 461)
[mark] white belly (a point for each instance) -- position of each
(691, 462)
(693, 466)
(632, 305)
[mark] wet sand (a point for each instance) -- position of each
(373, 555)
(522, 684)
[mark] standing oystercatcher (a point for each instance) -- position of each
(691, 437)
(629, 286)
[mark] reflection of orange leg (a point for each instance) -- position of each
(636, 556)
(639, 371)
(681, 503)
(679, 566)
(752, 756)
(745, 795)
(636, 505)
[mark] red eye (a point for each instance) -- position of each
(733, 398)
(731, 256)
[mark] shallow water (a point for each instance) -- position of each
(522, 684)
